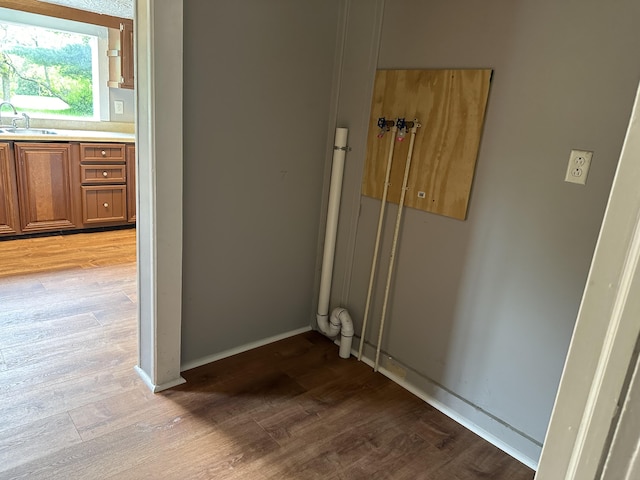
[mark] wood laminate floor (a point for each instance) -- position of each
(71, 406)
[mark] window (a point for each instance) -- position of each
(51, 68)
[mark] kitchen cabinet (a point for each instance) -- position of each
(65, 185)
(127, 63)
(103, 181)
(46, 195)
(9, 220)
(131, 181)
(120, 53)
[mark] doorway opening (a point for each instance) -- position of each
(69, 301)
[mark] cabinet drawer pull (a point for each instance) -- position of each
(105, 174)
(104, 153)
(105, 205)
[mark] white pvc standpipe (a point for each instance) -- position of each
(374, 262)
(340, 319)
(394, 245)
(333, 209)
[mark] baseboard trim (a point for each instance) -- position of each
(243, 348)
(453, 414)
(157, 388)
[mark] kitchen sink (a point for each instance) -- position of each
(27, 131)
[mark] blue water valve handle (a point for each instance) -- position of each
(402, 129)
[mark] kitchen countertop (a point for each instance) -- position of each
(69, 136)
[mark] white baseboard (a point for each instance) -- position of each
(157, 388)
(454, 414)
(243, 348)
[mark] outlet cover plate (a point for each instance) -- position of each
(578, 167)
(118, 107)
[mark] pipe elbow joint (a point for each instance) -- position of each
(340, 316)
(323, 323)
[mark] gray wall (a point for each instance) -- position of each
(482, 311)
(258, 80)
(128, 98)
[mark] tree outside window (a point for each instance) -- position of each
(46, 71)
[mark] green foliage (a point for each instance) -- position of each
(73, 60)
(81, 98)
(43, 70)
(26, 87)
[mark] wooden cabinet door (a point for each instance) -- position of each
(121, 56)
(8, 197)
(104, 204)
(126, 43)
(131, 182)
(45, 187)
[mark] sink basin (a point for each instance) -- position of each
(27, 131)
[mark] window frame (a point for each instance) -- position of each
(99, 62)
(59, 11)
(82, 16)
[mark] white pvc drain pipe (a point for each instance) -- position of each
(340, 322)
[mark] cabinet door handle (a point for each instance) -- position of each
(105, 205)
(104, 153)
(105, 174)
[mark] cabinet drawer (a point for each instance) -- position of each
(98, 174)
(102, 152)
(104, 204)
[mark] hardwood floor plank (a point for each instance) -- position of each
(85, 250)
(125, 313)
(37, 439)
(231, 450)
(24, 380)
(50, 349)
(483, 461)
(51, 305)
(118, 411)
(21, 333)
(19, 287)
(400, 457)
(28, 405)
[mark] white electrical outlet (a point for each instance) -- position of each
(118, 107)
(578, 168)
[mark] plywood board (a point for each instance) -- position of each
(450, 105)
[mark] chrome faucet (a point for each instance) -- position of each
(14, 121)
(15, 112)
(25, 117)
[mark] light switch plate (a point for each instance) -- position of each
(118, 107)
(578, 167)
